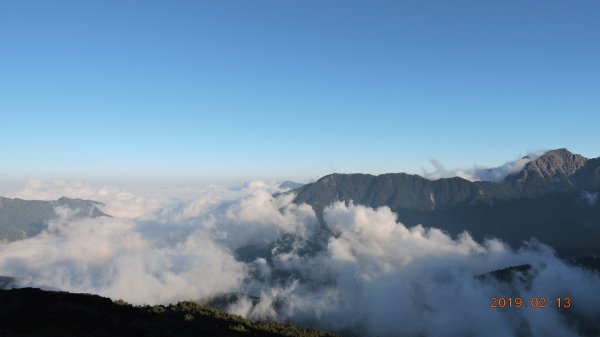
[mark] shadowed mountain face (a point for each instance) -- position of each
(553, 199)
(20, 218)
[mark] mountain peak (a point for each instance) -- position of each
(551, 165)
(560, 153)
(289, 185)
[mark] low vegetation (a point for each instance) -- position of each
(34, 312)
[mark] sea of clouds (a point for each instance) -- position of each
(360, 272)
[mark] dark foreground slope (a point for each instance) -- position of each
(20, 218)
(553, 199)
(34, 312)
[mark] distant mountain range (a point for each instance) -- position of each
(20, 218)
(554, 199)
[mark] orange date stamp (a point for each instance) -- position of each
(532, 302)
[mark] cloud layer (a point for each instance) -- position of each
(364, 273)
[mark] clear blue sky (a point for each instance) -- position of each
(274, 89)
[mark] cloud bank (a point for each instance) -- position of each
(363, 274)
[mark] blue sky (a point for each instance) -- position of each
(226, 90)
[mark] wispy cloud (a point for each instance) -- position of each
(481, 173)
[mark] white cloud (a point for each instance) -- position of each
(480, 173)
(375, 276)
(113, 257)
(380, 278)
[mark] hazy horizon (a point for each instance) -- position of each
(434, 170)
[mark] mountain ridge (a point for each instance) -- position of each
(20, 218)
(536, 202)
(36, 312)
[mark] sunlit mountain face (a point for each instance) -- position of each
(356, 254)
